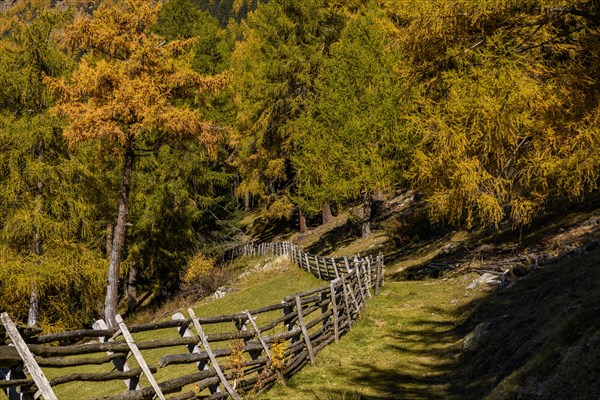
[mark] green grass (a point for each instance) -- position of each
(400, 345)
(545, 335)
(255, 290)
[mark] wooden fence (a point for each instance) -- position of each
(195, 357)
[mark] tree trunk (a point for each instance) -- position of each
(131, 289)
(378, 206)
(34, 298)
(366, 220)
(303, 228)
(34, 306)
(247, 201)
(112, 289)
(326, 213)
(109, 238)
(378, 195)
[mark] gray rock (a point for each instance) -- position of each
(485, 279)
(475, 340)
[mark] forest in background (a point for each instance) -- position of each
(134, 134)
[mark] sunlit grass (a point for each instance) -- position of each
(395, 336)
(260, 287)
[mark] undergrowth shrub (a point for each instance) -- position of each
(203, 277)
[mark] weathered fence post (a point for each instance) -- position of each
(211, 355)
(241, 327)
(336, 323)
(382, 270)
(28, 360)
(119, 363)
(346, 302)
(347, 264)
(363, 265)
(138, 356)
(353, 296)
(335, 268)
(258, 334)
(324, 307)
(379, 279)
(360, 286)
(309, 348)
(318, 267)
(184, 331)
(369, 272)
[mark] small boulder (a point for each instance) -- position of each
(475, 340)
(485, 279)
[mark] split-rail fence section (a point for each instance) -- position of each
(195, 357)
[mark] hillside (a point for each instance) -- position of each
(434, 333)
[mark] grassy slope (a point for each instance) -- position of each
(542, 339)
(398, 347)
(256, 290)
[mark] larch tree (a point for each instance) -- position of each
(46, 223)
(508, 104)
(125, 88)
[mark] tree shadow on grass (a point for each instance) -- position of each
(337, 237)
(539, 339)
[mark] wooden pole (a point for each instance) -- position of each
(324, 308)
(347, 264)
(318, 267)
(382, 270)
(346, 302)
(366, 281)
(360, 285)
(259, 334)
(335, 268)
(194, 349)
(353, 297)
(336, 324)
(311, 354)
(369, 273)
(377, 275)
(28, 360)
(119, 363)
(212, 357)
(138, 356)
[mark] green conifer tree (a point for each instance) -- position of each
(275, 65)
(352, 140)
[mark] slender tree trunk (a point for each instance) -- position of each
(326, 213)
(247, 201)
(378, 207)
(109, 238)
(366, 220)
(34, 298)
(112, 289)
(132, 289)
(303, 228)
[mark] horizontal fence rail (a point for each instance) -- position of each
(225, 356)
